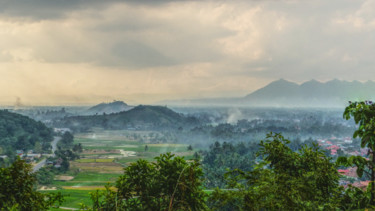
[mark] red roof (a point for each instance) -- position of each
(361, 184)
(343, 171)
(350, 172)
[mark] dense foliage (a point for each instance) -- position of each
(226, 156)
(286, 180)
(19, 132)
(17, 190)
(140, 117)
(221, 157)
(364, 115)
(170, 183)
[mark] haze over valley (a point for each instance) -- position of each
(187, 105)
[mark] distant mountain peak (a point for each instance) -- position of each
(282, 81)
(332, 93)
(311, 82)
(112, 107)
(312, 93)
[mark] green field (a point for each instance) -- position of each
(74, 197)
(105, 154)
(88, 179)
(110, 160)
(102, 145)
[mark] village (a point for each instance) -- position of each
(346, 146)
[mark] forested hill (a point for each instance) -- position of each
(108, 108)
(140, 117)
(18, 132)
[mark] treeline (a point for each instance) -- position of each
(19, 132)
(221, 157)
(281, 179)
(139, 118)
(259, 128)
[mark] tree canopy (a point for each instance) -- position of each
(170, 183)
(17, 190)
(285, 180)
(18, 132)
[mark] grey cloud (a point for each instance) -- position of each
(47, 9)
(52, 9)
(137, 55)
(317, 47)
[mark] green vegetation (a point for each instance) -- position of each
(140, 117)
(19, 132)
(73, 198)
(283, 180)
(223, 157)
(124, 170)
(364, 115)
(17, 191)
(168, 184)
(95, 160)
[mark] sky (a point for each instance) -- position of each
(81, 52)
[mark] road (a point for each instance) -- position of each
(54, 144)
(39, 165)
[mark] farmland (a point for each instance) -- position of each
(104, 155)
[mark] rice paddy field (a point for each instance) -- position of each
(104, 155)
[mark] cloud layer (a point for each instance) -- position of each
(66, 52)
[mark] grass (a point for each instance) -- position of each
(74, 197)
(89, 179)
(97, 170)
(92, 188)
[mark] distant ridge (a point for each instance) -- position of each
(283, 93)
(140, 117)
(108, 108)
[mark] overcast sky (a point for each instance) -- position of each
(144, 51)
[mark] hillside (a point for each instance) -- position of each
(18, 132)
(108, 108)
(283, 93)
(312, 93)
(140, 117)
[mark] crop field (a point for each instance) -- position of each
(74, 197)
(99, 160)
(104, 156)
(88, 179)
(123, 147)
(98, 167)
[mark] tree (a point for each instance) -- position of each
(283, 180)
(190, 148)
(170, 183)
(66, 141)
(364, 115)
(17, 189)
(45, 176)
(77, 148)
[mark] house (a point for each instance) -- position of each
(349, 172)
(333, 149)
(19, 153)
(361, 184)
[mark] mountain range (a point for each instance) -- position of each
(283, 93)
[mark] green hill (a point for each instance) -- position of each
(108, 108)
(141, 117)
(18, 132)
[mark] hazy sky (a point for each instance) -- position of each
(143, 51)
